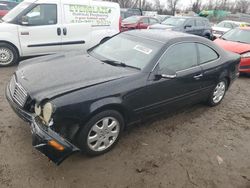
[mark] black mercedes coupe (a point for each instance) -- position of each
(80, 101)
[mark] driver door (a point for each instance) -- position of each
(182, 81)
(40, 31)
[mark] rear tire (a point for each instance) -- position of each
(101, 133)
(8, 55)
(218, 93)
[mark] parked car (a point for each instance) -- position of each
(193, 25)
(162, 18)
(38, 27)
(4, 9)
(224, 26)
(238, 40)
(138, 22)
(87, 99)
(10, 4)
(127, 12)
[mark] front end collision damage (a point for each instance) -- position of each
(43, 136)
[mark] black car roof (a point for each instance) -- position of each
(158, 35)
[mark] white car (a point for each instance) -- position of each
(224, 26)
(39, 27)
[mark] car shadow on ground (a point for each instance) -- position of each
(155, 122)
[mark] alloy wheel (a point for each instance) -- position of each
(103, 134)
(219, 92)
(6, 56)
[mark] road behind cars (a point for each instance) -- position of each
(177, 151)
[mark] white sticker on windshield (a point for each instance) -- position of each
(143, 49)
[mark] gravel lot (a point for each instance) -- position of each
(198, 147)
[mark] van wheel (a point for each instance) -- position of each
(218, 93)
(8, 55)
(101, 133)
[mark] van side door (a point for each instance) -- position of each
(40, 29)
(76, 28)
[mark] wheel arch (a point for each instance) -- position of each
(225, 75)
(112, 106)
(13, 45)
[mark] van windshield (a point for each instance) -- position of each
(16, 11)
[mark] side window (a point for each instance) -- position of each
(179, 57)
(200, 23)
(145, 21)
(206, 23)
(190, 23)
(228, 25)
(206, 54)
(153, 21)
(45, 14)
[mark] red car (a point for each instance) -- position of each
(238, 40)
(4, 9)
(138, 22)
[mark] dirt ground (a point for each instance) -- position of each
(198, 147)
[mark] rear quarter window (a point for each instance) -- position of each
(206, 54)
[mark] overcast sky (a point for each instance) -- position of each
(184, 3)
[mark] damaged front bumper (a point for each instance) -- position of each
(44, 139)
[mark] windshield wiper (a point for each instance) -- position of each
(118, 63)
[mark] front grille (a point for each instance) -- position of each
(18, 93)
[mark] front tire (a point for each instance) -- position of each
(101, 133)
(8, 55)
(218, 93)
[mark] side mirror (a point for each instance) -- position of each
(187, 26)
(166, 74)
(24, 20)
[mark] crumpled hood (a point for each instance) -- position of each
(235, 47)
(49, 76)
(161, 26)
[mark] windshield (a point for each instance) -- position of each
(221, 24)
(16, 11)
(238, 35)
(130, 50)
(174, 21)
(132, 19)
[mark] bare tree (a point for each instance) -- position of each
(242, 6)
(196, 6)
(127, 3)
(172, 5)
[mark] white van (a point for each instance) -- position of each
(38, 27)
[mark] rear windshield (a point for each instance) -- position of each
(174, 21)
(238, 35)
(132, 19)
(4, 7)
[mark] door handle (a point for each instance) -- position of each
(65, 31)
(59, 31)
(197, 77)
